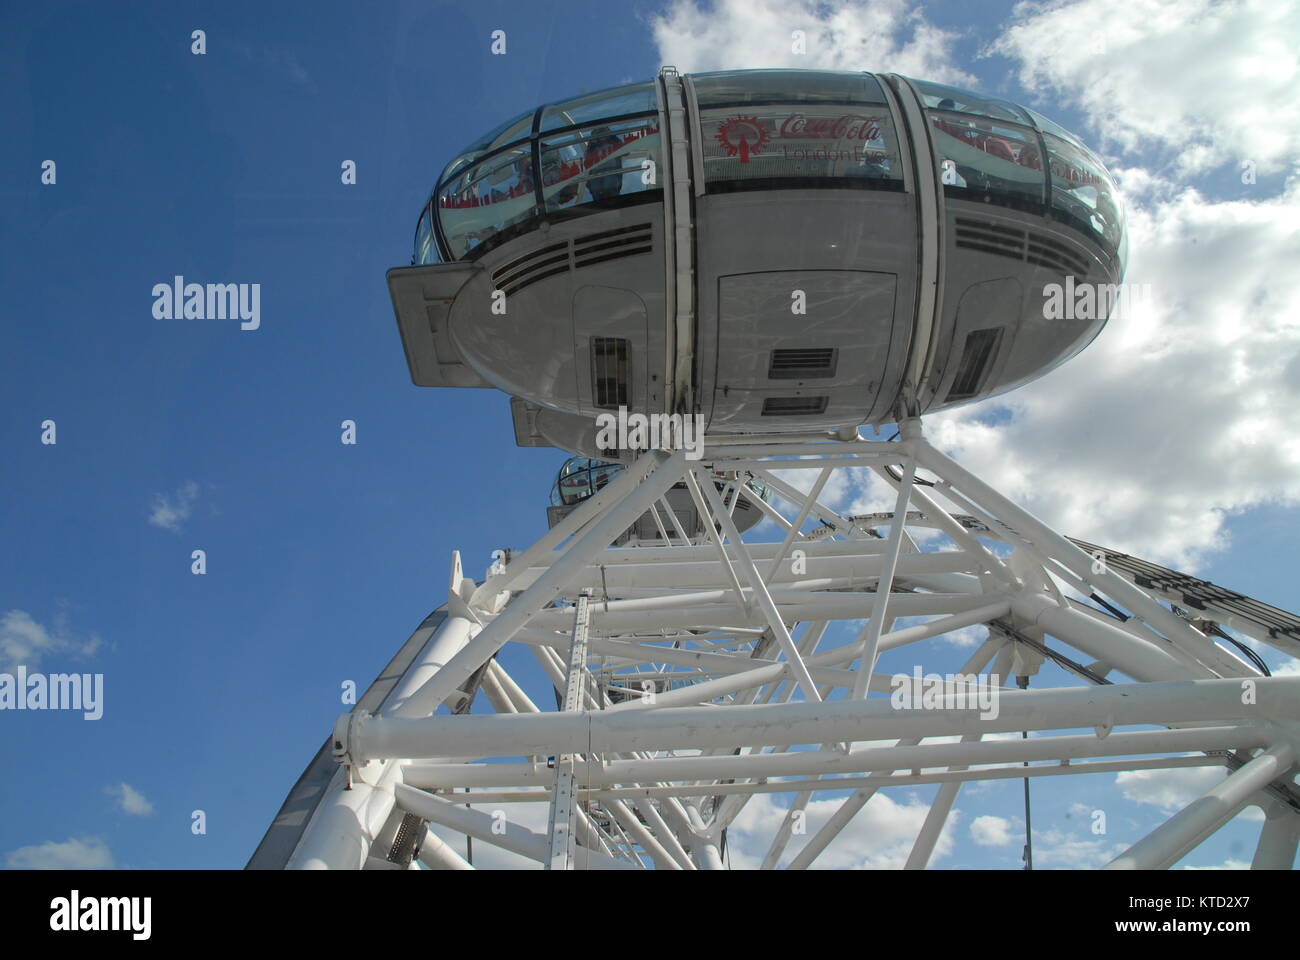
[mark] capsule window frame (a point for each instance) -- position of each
(547, 143)
(1035, 201)
(510, 227)
(897, 181)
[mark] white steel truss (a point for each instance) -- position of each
(694, 673)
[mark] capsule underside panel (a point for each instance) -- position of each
(802, 274)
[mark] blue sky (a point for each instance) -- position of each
(321, 557)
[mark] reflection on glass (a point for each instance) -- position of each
(516, 128)
(486, 199)
(785, 86)
(939, 97)
(1083, 193)
(615, 102)
(797, 141)
(425, 250)
(979, 158)
(600, 163)
(580, 478)
(1048, 126)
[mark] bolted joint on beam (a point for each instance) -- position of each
(345, 745)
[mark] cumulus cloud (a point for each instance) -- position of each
(75, 853)
(1199, 387)
(879, 837)
(990, 831)
(1210, 82)
(1171, 790)
(1198, 384)
(25, 641)
(885, 36)
(170, 511)
(1058, 848)
(130, 800)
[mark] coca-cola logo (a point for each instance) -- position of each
(744, 136)
(741, 136)
(847, 127)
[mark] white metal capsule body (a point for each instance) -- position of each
(771, 250)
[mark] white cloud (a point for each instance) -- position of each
(130, 800)
(885, 36)
(1213, 82)
(1056, 848)
(967, 636)
(170, 511)
(1171, 790)
(25, 641)
(879, 837)
(85, 853)
(990, 831)
(1199, 387)
(1229, 864)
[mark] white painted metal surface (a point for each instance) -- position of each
(698, 676)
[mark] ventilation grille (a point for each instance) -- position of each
(612, 245)
(802, 364)
(610, 372)
(533, 266)
(553, 259)
(1017, 244)
(794, 406)
(981, 346)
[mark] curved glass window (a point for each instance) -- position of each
(594, 151)
(486, 199)
(426, 251)
(1084, 195)
(987, 160)
(580, 478)
(599, 164)
(1049, 126)
(939, 97)
(734, 87)
(614, 102)
(516, 128)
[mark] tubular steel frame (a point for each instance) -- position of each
(692, 676)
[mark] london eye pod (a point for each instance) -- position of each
(772, 250)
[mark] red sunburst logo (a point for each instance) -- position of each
(741, 136)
